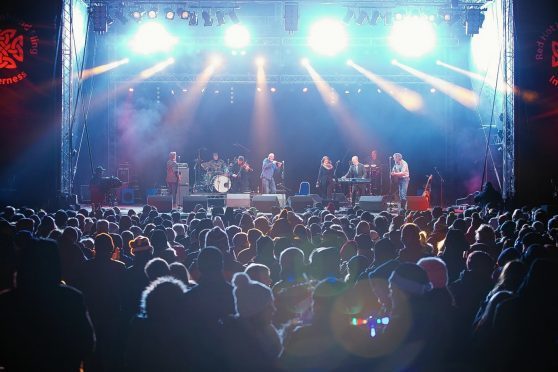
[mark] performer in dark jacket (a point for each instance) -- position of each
(356, 170)
(240, 174)
(325, 178)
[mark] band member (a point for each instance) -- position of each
(96, 189)
(325, 178)
(241, 175)
(173, 176)
(356, 170)
(215, 165)
(400, 172)
(374, 173)
(269, 166)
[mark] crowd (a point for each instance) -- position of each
(227, 289)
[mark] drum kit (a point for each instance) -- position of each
(214, 177)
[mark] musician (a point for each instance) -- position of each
(96, 189)
(241, 175)
(325, 178)
(216, 165)
(269, 166)
(173, 176)
(400, 172)
(374, 173)
(356, 170)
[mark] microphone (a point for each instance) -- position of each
(178, 158)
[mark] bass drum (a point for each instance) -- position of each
(221, 183)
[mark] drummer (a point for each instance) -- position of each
(215, 166)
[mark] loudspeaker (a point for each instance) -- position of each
(84, 194)
(372, 203)
(282, 198)
(190, 201)
(417, 203)
(340, 198)
(163, 203)
(238, 200)
(299, 203)
(216, 202)
(127, 196)
(264, 203)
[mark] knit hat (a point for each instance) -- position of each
(436, 270)
(411, 279)
(250, 297)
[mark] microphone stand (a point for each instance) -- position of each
(442, 181)
(391, 199)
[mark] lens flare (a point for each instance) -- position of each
(412, 37)
(328, 37)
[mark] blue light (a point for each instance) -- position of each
(412, 37)
(237, 37)
(328, 37)
(152, 37)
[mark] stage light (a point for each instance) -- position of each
(207, 21)
(362, 17)
(398, 16)
(233, 17)
(305, 90)
(348, 16)
(328, 37)
(152, 37)
(260, 61)
(136, 15)
(130, 90)
(273, 90)
(237, 37)
(183, 13)
(412, 37)
(193, 19)
(305, 62)
(375, 18)
(349, 62)
(152, 13)
(432, 90)
(379, 91)
(220, 17)
(169, 14)
(388, 18)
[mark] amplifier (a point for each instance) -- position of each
(264, 203)
(417, 203)
(163, 203)
(372, 203)
(238, 200)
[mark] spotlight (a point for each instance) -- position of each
(136, 15)
(207, 21)
(305, 62)
(216, 61)
(328, 37)
(362, 17)
(273, 90)
(260, 61)
(349, 15)
(393, 61)
(220, 17)
(169, 14)
(413, 37)
(375, 18)
(237, 37)
(432, 90)
(152, 37)
(130, 90)
(398, 16)
(304, 90)
(379, 91)
(152, 13)
(388, 18)
(350, 62)
(183, 13)
(193, 19)
(233, 16)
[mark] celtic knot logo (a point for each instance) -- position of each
(11, 49)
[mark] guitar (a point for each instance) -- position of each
(427, 189)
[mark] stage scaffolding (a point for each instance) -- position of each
(72, 129)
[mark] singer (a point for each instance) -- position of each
(324, 184)
(400, 172)
(269, 166)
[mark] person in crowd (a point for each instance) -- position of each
(44, 324)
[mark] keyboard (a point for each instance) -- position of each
(353, 180)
